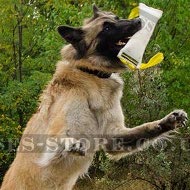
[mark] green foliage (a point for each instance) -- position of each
(29, 48)
(10, 133)
(20, 99)
(145, 91)
(178, 89)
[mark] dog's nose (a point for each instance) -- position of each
(138, 21)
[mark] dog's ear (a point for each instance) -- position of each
(70, 34)
(75, 36)
(95, 10)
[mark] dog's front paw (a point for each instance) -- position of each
(78, 148)
(174, 120)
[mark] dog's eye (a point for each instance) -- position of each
(107, 26)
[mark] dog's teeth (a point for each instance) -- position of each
(120, 43)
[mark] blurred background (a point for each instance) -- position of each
(29, 49)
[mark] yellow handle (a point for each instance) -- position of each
(131, 66)
(134, 13)
(156, 59)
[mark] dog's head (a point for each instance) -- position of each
(103, 35)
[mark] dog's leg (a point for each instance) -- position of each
(130, 140)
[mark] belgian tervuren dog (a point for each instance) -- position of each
(82, 101)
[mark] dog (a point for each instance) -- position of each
(82, 101)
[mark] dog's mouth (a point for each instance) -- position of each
(122, 42)
(119, 44)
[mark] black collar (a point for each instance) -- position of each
(97, 73)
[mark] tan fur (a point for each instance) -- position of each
(74, 103)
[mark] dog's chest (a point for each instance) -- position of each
(104, 99)
(105, 102)
(106, 93)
